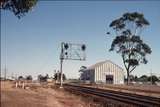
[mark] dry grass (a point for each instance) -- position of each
(41, 96)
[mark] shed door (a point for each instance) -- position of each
(109, 79)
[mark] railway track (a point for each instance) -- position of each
(127, 98)
(132, 89)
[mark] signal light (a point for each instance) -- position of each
(66, 53)
(83, 47)
(66, 46)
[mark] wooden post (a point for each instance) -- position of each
(23, 85)
(16, 84)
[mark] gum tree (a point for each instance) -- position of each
(18, 7)
(128, 42)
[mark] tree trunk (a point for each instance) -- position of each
(128, 78)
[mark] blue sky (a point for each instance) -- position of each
(31, 45)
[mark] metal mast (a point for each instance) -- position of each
(70, 51)
(61, 62)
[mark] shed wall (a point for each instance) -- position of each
(108, 69)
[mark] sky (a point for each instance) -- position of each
(31, 45)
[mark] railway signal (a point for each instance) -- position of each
(71, 51)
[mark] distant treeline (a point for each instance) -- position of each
(144, 78)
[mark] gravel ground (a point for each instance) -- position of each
(37, 97)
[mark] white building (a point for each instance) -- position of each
(103, 72)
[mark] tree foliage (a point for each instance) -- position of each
(57, 76)
(20, 78)
(82, 74)
(153, 79)
(143, 78)
(82, 68)
(42, 78)
(128, 42)
(29, 77)
(18, 7)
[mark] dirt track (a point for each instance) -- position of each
(41, 97)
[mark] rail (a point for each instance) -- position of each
(128, 98)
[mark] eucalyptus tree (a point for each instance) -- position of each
(29, 77)
(18, 7)
(57, 76)
(82, 68)
(82, 74)
(127, 41)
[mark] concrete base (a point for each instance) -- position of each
(61, 87)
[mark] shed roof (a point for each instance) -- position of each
(102, 62)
